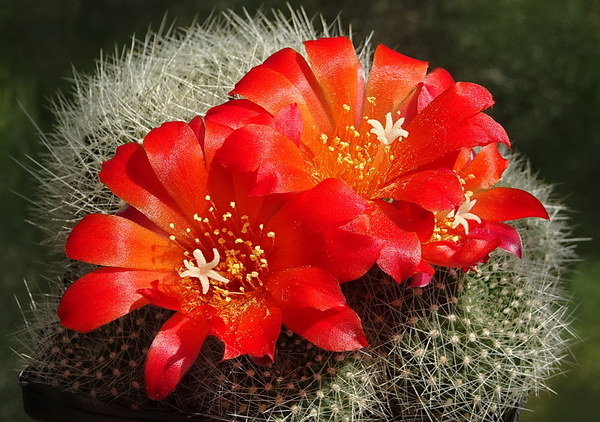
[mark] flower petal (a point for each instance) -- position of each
(340, 75)
(175, 154)
(257, 330)
(452, 121)
(393, 77)
(159, 298)
(344, 254)
(283, 79)
(137, 217)
(503, 204)
(115, 241)
(433, 190)
(332, 203)
(486, 169)
(223, 119)
(173, 352)
(508, 236)
(276, 160)
(465, 255)
(337, 329)
(422, 276)
(436, 82)
(401, 252)
(129, 176)
(306, 287)
(104, 295)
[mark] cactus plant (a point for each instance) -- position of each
(469, 346)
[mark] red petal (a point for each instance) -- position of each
(159, 298)
(433, 190)
(343, 254)
(422, 276)
(283, 79)
(137, 217)
(450, 122)
(469, 253)
(279, 165)
(173, 352)
(487, 167)
(176, 156)
(257, 330)
(401, 252)
(508, 236)
(392, 78)
(435, 83)
(224, 331)
(237, 113)
(332, 203)
(197, 126)
(115, 241)
(227, 117)
(104, 295)
(288, 121)
(306, 287)
(421, 221)
(337, 329)
(129, 176)
(340, 75)
(503, 204)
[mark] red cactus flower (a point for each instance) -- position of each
(464, 236)
(237, 267)
(392, 137)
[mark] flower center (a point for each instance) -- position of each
(447, 222)
(391, 132)
(203, 270)
(238, 265)
(362, 157)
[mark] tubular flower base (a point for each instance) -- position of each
(393, 137)
(303, 205)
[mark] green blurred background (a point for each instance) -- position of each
(540, 59)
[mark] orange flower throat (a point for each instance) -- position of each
(361, 157)
(238, 263)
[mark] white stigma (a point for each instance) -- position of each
(462, 214)
(203, 270)
(391, 132)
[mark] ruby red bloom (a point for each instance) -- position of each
(391, 137)
(229, 265)
(465, 236)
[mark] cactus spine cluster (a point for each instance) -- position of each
(468, 347)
